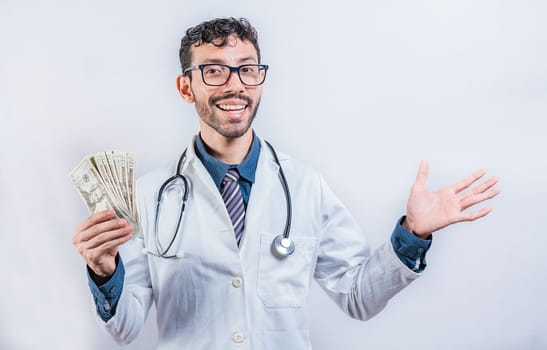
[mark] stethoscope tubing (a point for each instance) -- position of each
(282, 245)
(285, 191)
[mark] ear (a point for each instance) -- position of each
(183, 87)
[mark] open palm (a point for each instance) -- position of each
(430, 211)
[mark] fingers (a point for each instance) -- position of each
(423, 172)
(99, 243)
(95, 218)
(102, 227)
(466, 182)
(484, 191)
(110, 236)
(95, 256)
(475, 215)
(485, 185)
(478, 198)
(481, 193)
(98, 229)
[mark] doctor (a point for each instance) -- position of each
(219, 286)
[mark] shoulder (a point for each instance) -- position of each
(299, 174)
(288, 162)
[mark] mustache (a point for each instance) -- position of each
(216, 99)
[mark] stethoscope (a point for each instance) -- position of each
(282, 246)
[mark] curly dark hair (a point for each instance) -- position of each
(210, 32)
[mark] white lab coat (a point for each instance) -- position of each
(220, 297)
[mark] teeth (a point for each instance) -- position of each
(231, 107)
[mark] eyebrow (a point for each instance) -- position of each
(220, 61)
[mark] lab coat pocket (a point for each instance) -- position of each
(284, 283)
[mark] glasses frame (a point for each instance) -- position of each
(232, 69)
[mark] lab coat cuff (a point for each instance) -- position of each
(410, 248)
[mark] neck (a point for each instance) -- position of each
(228, 150)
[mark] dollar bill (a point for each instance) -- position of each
(131, 163)
(102, 168)
(92, 190)
(120, 171)
(106, 180)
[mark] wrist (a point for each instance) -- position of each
(408, 224)
(103, 274)
(99, 279)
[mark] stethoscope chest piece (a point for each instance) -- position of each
(282, 247)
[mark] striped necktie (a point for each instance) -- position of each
(231, 194)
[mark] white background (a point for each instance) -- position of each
(362, 90)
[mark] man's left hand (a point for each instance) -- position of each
(430, 211)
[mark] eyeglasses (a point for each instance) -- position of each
(218, 74)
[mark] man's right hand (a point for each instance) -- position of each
(98, 238)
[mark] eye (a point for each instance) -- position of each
(248, 69)
(212, 70)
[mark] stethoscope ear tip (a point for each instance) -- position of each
(282, 247)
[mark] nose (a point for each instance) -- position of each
(234, 84)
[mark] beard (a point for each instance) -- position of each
(210, 114)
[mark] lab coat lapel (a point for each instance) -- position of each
(199, 173)
(203, 183)
(260, 201)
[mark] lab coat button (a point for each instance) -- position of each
(238, 337)
(236, 282)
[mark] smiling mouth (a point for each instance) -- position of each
(231, 108)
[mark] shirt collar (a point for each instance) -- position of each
(217, 169)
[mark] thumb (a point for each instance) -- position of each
(423, 172)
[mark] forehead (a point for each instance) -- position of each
(234, 52)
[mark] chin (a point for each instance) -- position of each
(234, 134)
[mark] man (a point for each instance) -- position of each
(218, 283)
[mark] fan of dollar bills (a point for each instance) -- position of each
(106, 180)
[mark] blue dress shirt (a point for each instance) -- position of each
(409, 248)
(218, 169)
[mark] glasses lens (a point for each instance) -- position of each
(252, 74)
(214, 74)
(249, 74)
